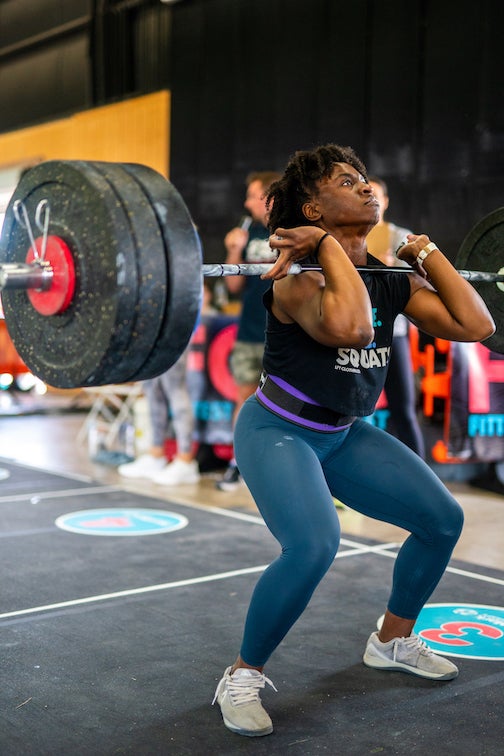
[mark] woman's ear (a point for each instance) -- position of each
(311, 211)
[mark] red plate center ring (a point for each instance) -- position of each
(60, 294)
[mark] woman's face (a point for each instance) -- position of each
(345, 199)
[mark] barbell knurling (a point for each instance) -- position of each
(218, 270)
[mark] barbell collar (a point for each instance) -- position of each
(37, 275)
(218, 270)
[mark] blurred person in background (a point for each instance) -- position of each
(383, 240)
(168, 394)
(248, 243)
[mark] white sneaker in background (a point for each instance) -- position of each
(177, 473)
(144, 467)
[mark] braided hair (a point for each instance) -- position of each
(298, 184)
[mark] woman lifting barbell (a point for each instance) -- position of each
(302, 440)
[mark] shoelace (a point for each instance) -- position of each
(414, 642)
(243, 690)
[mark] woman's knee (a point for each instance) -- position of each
(450, 521)
(315, 555)
(457, 519)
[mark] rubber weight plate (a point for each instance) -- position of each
(184, 278)
(482, 250)
(84, 345)
(148, 312)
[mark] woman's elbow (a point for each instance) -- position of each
(357, 336)
(485, 329)
(364, 335)
(359, 332)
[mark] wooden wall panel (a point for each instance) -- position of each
(136, 130)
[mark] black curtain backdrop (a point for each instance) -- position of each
(415, 86)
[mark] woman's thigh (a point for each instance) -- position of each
(284, 475)
(380, 477)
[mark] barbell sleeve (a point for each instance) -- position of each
(25, 276)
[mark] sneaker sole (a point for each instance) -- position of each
(247, 733)
(228, 486)
(186, 482)
(386, 666)
(135, 476)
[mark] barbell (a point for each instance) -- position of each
(101, 272)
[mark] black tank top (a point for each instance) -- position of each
(346, 380)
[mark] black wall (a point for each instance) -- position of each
(415, 86)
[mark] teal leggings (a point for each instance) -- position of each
(293, 474)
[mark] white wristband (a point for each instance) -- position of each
(425, 252)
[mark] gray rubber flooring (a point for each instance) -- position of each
(114, 645)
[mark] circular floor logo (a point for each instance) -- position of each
(121, 522)
(473, 631)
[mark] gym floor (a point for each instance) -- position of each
(115, 645)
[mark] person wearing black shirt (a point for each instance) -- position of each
(301, 439)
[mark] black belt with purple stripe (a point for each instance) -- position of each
(292, 406)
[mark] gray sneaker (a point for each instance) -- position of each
(241, 707)
(231, 480)
(410, 655)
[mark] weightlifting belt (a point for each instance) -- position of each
(284, 400)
